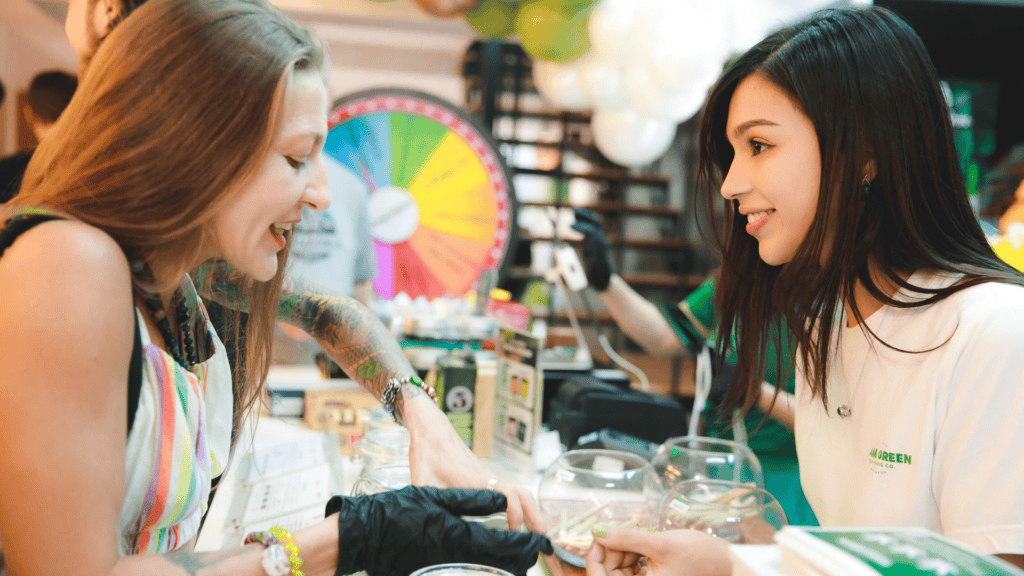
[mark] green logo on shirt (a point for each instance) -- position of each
(885, 456)
(882, 460)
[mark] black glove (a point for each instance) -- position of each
(401, 531)
(597, 258)
(721, 379)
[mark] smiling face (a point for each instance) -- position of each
(249, 230)
(775, 174)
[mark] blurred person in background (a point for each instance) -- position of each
(48, 95)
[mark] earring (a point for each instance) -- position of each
(866, 188)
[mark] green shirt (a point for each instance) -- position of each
(694, 322)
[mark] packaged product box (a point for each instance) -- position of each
(455, 385)
(519, 390)
(881, 552)
(340, 410)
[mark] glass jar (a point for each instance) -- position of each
(585, 487)
(697, 458)
(459, 570)
(380, 446)
(382, 479)
(739, 513)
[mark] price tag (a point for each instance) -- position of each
(678, 506)
(565, 475)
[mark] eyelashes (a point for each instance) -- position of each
(757, 147)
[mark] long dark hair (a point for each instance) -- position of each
(865, 80)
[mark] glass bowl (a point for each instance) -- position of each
(459, 570)
(380, 446)
(739, 513)
(699, 458)
(584, 487)
(382, 478)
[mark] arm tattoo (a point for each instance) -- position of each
(221, 282)
(348, 332)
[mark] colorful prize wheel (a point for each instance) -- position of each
(441, 204)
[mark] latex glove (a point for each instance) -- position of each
(597, 258)
(401, 531)
(669, 553)
(438, 457)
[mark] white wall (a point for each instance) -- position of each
(369, 45)
(30, 42)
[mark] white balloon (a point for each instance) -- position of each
(630, 139)
(561, 84)
(684, 42)
(610, 24)
(649, 98)
(604, 82)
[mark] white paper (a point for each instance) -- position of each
(285, 458)
(289, 493)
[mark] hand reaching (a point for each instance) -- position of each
(438, 457)
(401, 531)
(596, 252)
(669, 553)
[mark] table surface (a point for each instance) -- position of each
(221, 529)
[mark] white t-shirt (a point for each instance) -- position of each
(934, 439)
(334, 247)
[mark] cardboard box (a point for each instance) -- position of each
(340, 411)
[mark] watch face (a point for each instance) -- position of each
(441, 205)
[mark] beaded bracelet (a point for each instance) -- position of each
(289, 544)
(281, 556)
(390, 394)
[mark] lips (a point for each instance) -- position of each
(277, 232)
(757, 220)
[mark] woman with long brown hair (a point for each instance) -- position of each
(196, 135)
(348, 332)
(846, 213)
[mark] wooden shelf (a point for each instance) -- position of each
(614, 208)
(613, 240)
(557, 145)
(643, 279)
(574, 117)
(663, 280)
(599, 175)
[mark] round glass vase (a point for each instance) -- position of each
(582, 488)
(698, 458)
(736, 512)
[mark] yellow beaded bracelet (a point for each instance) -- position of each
(289, 544)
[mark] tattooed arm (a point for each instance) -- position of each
(347, 331)
(350, 334)
(354, 338)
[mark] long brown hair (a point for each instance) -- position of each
(866, 82)
(173, 116)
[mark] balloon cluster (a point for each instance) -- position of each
(642, 66)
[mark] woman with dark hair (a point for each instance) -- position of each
(846, 214)
(203, 142)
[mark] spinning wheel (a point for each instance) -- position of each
(441, 203)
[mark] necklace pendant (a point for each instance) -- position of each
(844, 411)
